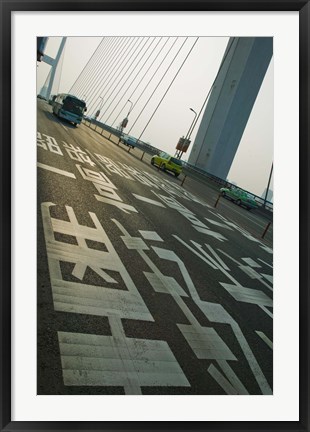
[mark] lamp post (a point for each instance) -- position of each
(130, 107)
(125, 121)
(100, 97)
(99, 107)
(97, 113)
(192, 125)
(267, 189)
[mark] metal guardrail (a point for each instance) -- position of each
(224, 183)
(191, 169)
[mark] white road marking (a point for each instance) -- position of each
(195, 252)
(213, 312)
(214, 234)
(266, 311)
(164, 284)
(233, 379)
(206, 343)
(228, 256)
(268, 277)
(221, 380)
(55, 170)
(84, 298)
(148, 200)
(266, 249)
(251, 262)
(265, 338)
(93, 360)
(265, 263)
(150, 235)
(248, 295)
(126, 208)
(249, 271)
(213, 222)
(62, 125)
(220, 261)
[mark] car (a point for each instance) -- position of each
(128, 140)
(167, 163)
(240, 197)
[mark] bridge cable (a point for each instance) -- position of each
(164, 95)
(87, 64)
(157, 69)
(83, 83)
(135, 77)
(112, 67)
(131, 72)
(103, 71)
(133, 92)
(169, 66)
(122, 72)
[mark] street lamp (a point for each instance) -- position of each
(131, 106)
(192, 125)
(99, 107)
(97, 113)
(101, 104)
(125, 120)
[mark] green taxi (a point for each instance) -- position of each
(240, 197)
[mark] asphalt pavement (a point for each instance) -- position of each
(144, 286)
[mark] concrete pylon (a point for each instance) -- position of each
(231, 100)
(47, 88)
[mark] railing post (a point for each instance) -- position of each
(266, 229)
(218, 198)
(183, 179)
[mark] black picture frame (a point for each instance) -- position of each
(6, 9)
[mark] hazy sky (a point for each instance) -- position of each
(252, 163)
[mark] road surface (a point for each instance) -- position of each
(144, 287)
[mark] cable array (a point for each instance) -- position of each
(140, 70)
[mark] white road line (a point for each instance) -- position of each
(63, 126)
(265, 338)
(251, 262)
(150, 235)
(266, 311)
(265, 263)
(221, 380)
(148, 200)
(232, 377)
(55, 170)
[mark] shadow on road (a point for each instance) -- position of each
(51, 117)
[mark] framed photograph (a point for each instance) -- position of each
(154, 204)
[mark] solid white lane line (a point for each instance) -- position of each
(265, 338)
(55, 170)
(221, 380)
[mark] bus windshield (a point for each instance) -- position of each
(73, 105)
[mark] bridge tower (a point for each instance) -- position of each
(231, 100)
(47, 88)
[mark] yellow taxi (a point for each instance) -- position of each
(167, 163)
